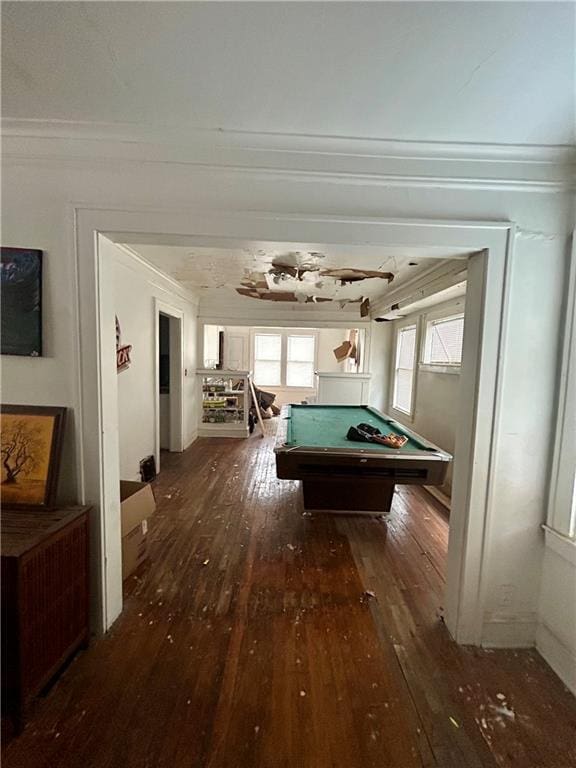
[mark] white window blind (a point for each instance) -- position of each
(268, 359)
(404, 370)
(300, 361)
(284, 359)
(444, 341)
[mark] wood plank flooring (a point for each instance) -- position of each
(249, 641)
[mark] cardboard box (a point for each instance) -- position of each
(137, 503)
(134, 548)
(343, 351)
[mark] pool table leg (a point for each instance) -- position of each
(369, 496)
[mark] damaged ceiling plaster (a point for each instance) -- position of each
(349, 278)
(300, 277)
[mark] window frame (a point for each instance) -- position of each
(284, 333)
(270, 332)
(561, 513)
(412, 322)
(428, 320)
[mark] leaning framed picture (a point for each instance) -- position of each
(21, 301)
(31, 447)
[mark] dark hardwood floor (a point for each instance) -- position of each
(249, 641)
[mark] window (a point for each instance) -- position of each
(284, 359)
(404, 368)
(444, 341)
(268, 359)
(300, 361)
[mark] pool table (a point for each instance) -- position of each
(340, 475)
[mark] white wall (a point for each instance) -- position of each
(436, 412)
(43, 178)
(328, 340)
(436, 403)
(526, 431)
(381, 341)
(556, 634)
(136, 287)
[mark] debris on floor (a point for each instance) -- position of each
(504, 710)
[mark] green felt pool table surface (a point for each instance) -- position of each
(326, 426)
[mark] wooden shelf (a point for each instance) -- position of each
(238, 427)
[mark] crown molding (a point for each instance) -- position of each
(136, 133)
(298, 157)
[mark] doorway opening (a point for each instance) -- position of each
(164, 388)
(472, 499)
(170, 372)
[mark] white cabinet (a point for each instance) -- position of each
(224, 403)
(342, 388)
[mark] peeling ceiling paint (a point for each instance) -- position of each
(293, 273)
(301, 278)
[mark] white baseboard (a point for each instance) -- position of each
(439, 496)
(192, 439)
(509, 633)
(558, 655)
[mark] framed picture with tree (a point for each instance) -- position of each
(31, 447)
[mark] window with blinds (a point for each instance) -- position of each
(404, 368)
(284, 359)
(443, 345)
(268, 359)
(300, 361)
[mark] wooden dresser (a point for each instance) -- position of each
(44, 599)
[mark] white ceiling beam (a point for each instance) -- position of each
(440, 277)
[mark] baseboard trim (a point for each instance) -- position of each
(557, 654)
(192, 439)
(509, 633)
(440, 497)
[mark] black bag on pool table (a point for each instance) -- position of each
(362, 433)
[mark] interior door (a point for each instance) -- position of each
(236, 351)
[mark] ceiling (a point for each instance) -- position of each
(292, 272)
(463, 72)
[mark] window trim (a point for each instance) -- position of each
(284, 333)
(561, 516)
(406, 323)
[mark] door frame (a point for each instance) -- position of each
(176, 319)
(477, 441)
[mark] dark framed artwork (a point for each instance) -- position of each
(21, 301)
(31, 448)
